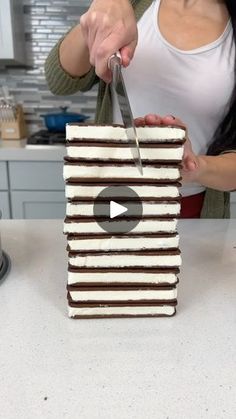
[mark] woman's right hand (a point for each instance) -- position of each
(107, 27)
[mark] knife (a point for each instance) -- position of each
(114, 63)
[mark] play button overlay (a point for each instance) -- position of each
(117, 209)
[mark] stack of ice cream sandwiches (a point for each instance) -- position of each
(133, 274)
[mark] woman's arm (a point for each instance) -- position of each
(216, 172)
(74, 53)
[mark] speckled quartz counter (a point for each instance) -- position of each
(53, 367)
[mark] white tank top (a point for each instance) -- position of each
(194, 86)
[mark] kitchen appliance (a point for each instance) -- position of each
(46, 139)
(118, 84)
(56, 122)
(4, 260)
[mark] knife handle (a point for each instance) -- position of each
(114, 60)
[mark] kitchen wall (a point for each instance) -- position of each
(45, 21)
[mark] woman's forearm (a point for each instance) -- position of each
(218, 172)
(74, 53)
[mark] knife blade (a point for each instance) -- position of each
(118, 83)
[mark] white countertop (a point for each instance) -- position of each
(176, 368)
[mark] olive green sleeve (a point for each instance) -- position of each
(62, 83)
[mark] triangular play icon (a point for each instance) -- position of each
(116, 209)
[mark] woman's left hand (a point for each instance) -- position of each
(191, 164)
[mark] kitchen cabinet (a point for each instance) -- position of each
(37, 189)
(12, 42)
(4, 194)
(38, 205)
(3, 176)
(4, 204)
(31, 183)
(32, 175)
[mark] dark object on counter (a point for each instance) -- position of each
(4, 261)
(56, 122)
(46, 138)
(4, 266)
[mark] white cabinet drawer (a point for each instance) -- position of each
(29, 175)
(38, 205)
(4, 204)
(3, 176)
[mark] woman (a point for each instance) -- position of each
(180, 61)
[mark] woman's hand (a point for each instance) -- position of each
(191, 164)
(109, 26)
(216, 172)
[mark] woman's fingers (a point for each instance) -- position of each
(150, 119)
(172, 120)
(153, 119)
(102, 54)
(109, 27)
(139, 122)
(190, 160)
(127, 52)
(189, 163)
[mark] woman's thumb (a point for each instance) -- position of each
(127, 53)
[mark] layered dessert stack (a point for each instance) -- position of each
(135, 273)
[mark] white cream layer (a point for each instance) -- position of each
(124, 261)
(134, 295)
(149, 208)
(164, 310)
(144, 226)
(124, 243)
(143, 191)
(124, 154)
(121, 277)
(115, 172)
(109, 132)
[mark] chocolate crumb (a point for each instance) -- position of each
(45, 398)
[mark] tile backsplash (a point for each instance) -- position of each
(45, 21)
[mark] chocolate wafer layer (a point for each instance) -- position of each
(86, 311)
(117, 133)
(168, 258)
(145, 226)
(125, 294)
(77, 171)
(123, 242)
(150, 208)
(97, 151)
(116, 277)
(89, 192)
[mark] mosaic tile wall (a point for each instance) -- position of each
(45, 21)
